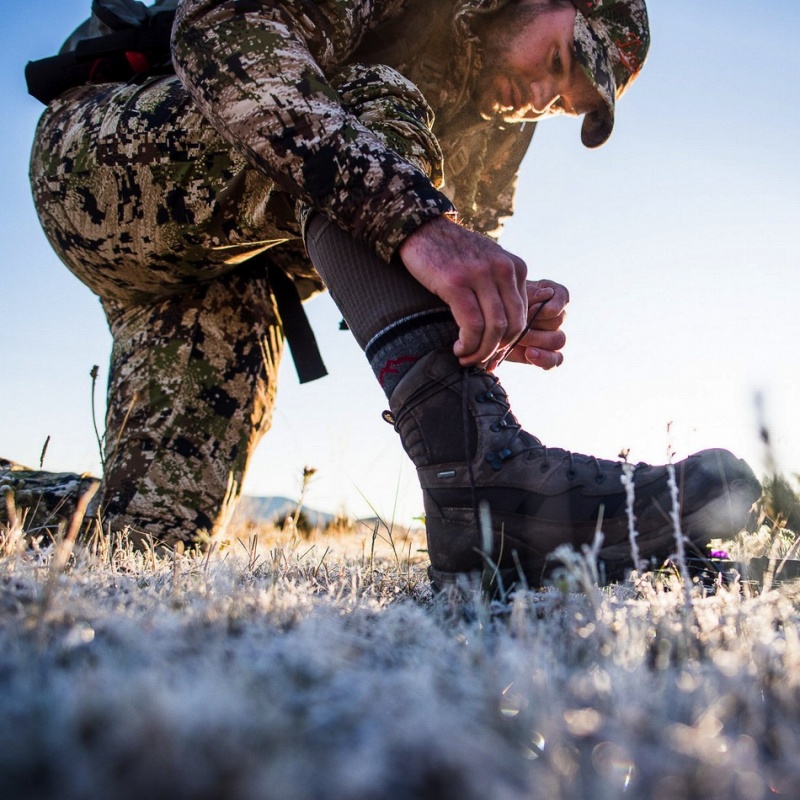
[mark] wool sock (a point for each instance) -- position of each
(394, 350)
(393, 317)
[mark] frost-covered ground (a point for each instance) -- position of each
(288, 672)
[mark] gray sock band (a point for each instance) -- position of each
(395, 349)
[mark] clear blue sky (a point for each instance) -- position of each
(678, 240)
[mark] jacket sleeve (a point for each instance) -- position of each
(261, 72)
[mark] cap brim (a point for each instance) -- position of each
(591, 53)
(596, 128)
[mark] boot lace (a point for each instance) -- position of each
(530, 444)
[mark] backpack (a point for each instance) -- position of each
(122, 39)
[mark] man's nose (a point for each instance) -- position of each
(543, 95)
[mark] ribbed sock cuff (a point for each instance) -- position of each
(394, 350)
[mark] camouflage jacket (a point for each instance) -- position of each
(268, 74)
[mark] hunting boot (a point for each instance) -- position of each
(471, 453)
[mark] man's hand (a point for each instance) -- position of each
(483, 284)
(541, 345)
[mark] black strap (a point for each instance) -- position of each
(101, 59)
(296, 327)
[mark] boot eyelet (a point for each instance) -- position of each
(544, 468)
(494, 427)
(495, 461)
(571, 473)
(600, 479)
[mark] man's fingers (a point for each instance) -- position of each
(470, 320)
(540, 348)
(547, 300)
(481, 333)
(495, 321)
(543, 323)
(553, 295)
(544, 340)
(510, 280)
(503, 308)
(545, 359)
(503, 301)
(539, 294)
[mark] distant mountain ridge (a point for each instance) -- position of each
(269, 510)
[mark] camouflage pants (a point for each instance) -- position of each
(147, 205)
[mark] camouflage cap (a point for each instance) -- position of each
(612, 38)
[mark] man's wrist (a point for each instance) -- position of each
(427, 227)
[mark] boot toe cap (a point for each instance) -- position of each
(718, 493)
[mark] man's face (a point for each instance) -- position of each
(530, 69)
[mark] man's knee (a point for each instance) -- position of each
(139, 196)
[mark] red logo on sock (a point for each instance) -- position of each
(391, 367)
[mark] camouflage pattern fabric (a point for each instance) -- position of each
(191, 392)
(139, 210)
(158, 195)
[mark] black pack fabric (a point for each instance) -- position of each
(121, 39)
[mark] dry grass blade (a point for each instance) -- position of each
(62, 550)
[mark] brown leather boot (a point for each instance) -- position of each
(470, 452)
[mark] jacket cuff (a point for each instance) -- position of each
(384, 222)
